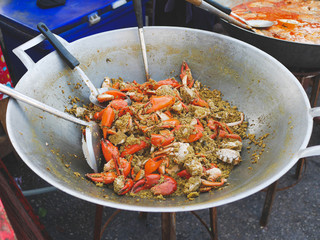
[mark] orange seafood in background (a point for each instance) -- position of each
(295, 20)
(175, 138)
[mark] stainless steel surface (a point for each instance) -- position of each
(270, 96)
(19, 96)
(144, 52)
(293, 55)
(259, 23)
(90, 141)
(255, 23)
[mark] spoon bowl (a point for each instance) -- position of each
(91, 138)
(251, 23)
(260, 23)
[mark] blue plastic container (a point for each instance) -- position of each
(76, 19)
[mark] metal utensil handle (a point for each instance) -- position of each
(138, 11)
(70, 60)
(226, 10)
(19, 96)
(222, 8)
(207, 7)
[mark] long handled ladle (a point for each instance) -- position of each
(73, 63)
(138, 12)
(207, 7)
(253, 23)
(91, 139)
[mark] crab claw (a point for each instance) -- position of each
(146, 183)
(160, 102)
(109, 150)
(170, 81)
(198, 132)
(131, 149)
(163, 139)
(108, 116)
(167, 187)
(199, 102)
(111, 95)
(126, 185)
(105, 177)
(152, 165)
(185, 75)
(208, 185)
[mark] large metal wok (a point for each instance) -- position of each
(293, 55)
(270, 96)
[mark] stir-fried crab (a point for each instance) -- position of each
(175, 138)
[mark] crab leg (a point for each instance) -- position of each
(105, 177)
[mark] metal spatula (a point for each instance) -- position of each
(90, 141)
(73, 63)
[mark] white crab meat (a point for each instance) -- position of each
(192, 185)
(166, 90)
(178, 150)
(229, 156)
(201, 112)
(80, 111)
(162, 116)
(106, 83)
(193, 166)
(118, 183)
(213, 173)
(235, 145)
(211, 104)
(187, 94)
(177, 107)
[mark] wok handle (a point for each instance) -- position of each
(314, 150)
(21, 53)
(309, 152)
(70, 60)
(19, 96)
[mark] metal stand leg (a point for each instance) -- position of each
(271, 192)
(299, 168)
(97, 222)
(305, 82)
(168, 226)
(213, 223)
